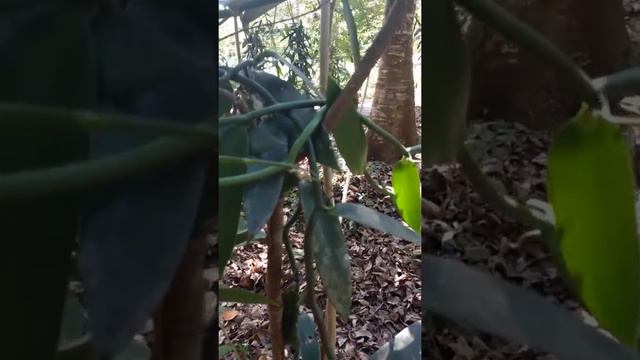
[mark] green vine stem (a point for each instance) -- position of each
(386, 135)
(311, 283)
(99, 172)
(517, 211)
(249, 177)
(625, 80)
(248, 117)
(42, 117)
(523, 34)
(295, 69)
(243, 160)
(379, 188)
(287, 244)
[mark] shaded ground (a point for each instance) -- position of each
(386, 281)
(469, 230)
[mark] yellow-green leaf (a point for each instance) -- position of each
(349, 134)
(591, 188)
(406, 186)
(446, 87)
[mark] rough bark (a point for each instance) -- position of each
(512, 84)
(393, 100)
(274, 277)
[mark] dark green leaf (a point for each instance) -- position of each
(591, 189)
(224, 104)
(349, 133)
(309, 347)
(376, 220)
(329, 249)
(225, 349)
(243, 296)
(406, 186)
(468, 296)
(47, 60)
(405, 345)
(267, 142)
(233, 141)
(136, 350)
(446, 88)
(290, 312)
(74, 320)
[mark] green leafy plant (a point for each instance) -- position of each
(91, 121)
(591, 231)
(285, 129)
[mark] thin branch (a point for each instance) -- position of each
(382, 39)
(311, 283)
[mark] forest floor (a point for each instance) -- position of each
(385, 280)
(469, 230)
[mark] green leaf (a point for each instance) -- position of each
(233, 141)
(290, 311)
(405, 345)
(591, 189)
(309, 347)
(225, 349)
(446, 87)
(468, 296)
(136, 350)
(329, 248)
(349, 133)
(74, 321)
(376, 220)
(243, 296)
(224, 104)
(406, 186)
(46, 60)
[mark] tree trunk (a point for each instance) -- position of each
(513, 84)
(393, 100)
(274, 279)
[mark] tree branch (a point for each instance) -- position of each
(382, 39)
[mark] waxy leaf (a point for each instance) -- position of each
(243, 296)
(456, 291)
(591, 189)
(349, 134)
(233, 141)
(405, 345)
(307, 339)
(329, 248)
(376, 220)
(406, 187)
(446, 87)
